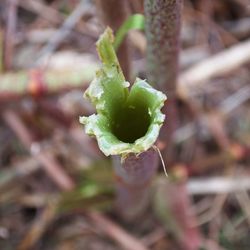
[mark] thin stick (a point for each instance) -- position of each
(64, 31)
(127, 241)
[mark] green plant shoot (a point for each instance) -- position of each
(126, 121)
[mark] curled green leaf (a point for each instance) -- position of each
(134, 22)
(126, 121)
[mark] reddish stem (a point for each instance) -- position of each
(133, 177)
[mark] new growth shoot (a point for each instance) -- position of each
(127, 121)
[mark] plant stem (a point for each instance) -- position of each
(11, 22)
(126, 125)
(133, 176)
(163, 22)
(114, 13)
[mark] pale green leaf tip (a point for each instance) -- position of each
(126, 122)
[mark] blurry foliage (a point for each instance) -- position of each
(134, 22)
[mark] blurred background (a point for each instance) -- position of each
(57, 188)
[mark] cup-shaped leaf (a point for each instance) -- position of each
(126, 121)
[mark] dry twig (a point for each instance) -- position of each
(64, 31)
(127, 241)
